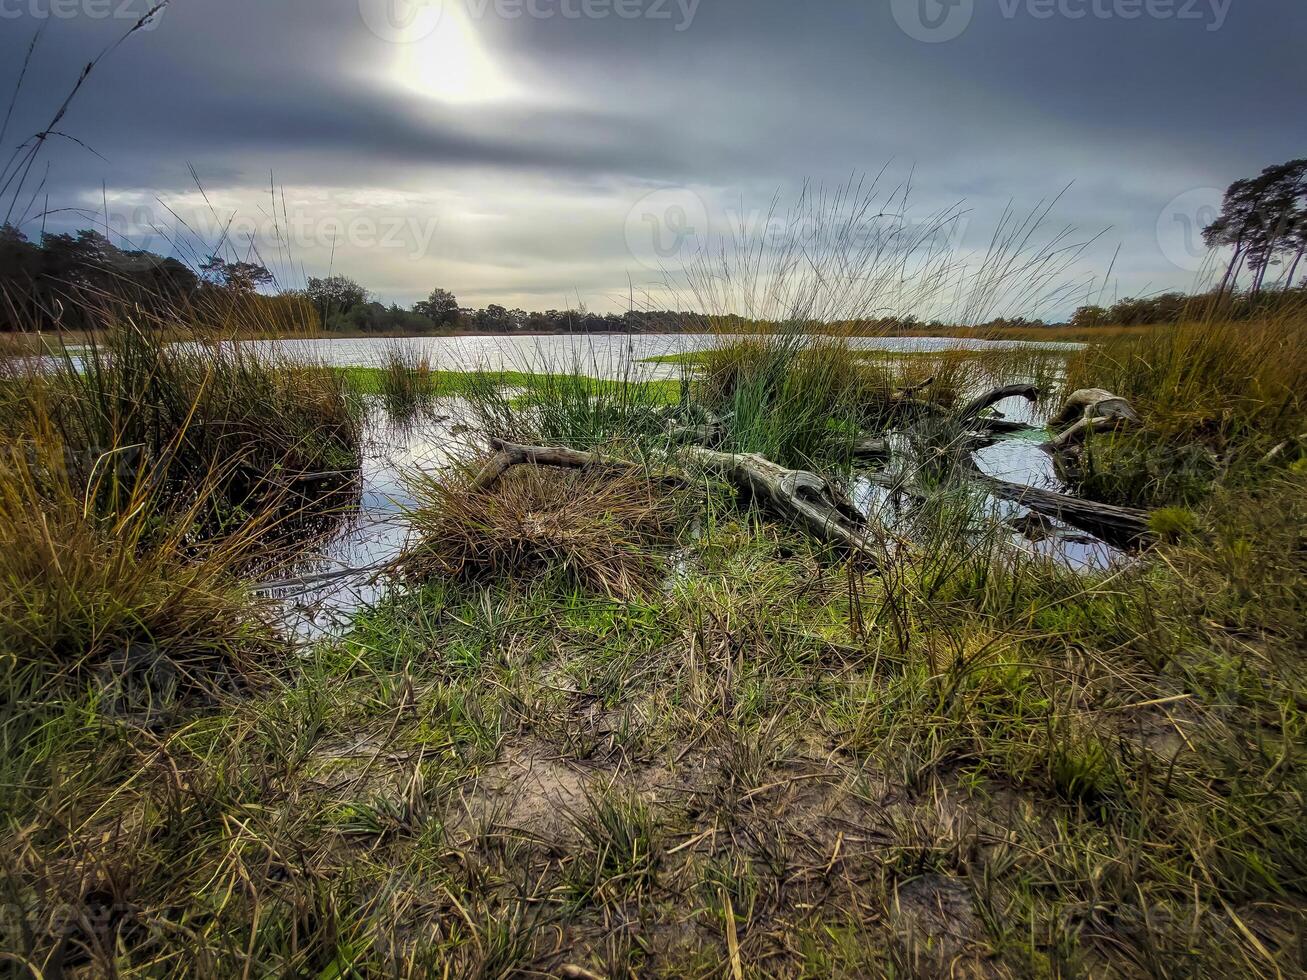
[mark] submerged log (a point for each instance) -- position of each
(803, 496)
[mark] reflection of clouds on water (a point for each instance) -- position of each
(377, 532)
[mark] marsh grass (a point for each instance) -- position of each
(579, 403)
(996, 765)
(1216, 400)
(93, 598)
(186, 409)
(804, 400)
(406, 381)
(599, 531)
(560, 747)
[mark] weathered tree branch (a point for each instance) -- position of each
(1120, 525)
(970, 412)
(1088, 411)
(799, 494)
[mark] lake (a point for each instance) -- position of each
(601, 355)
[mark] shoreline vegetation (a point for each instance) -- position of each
(613, 716)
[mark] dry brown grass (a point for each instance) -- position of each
(601, 532)
(129, 601)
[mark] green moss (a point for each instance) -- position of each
(1173, 523)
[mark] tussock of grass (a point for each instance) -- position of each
(599, 531)
(405, 380)
(572, 407)
(122, 603)
(186, 409)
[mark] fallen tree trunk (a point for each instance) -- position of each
(1000, 427)
(870, 447)
(1118, 525)
(510, 454)
(1075, 434)
(1092, 403)
(1122, 526)
(799, 494)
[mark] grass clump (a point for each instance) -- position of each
(599, 531)
(405, 380)
(187, 410)
(1173, 523)
(575, 408)
(622, 843)
(119, 601)
(780, 393)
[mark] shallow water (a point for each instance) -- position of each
(375, 532)
(601, 355)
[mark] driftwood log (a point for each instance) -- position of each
(510, 454)
(871, 447)
(969, 414)
(803, 496)
(1116, 525)
(1089, 410)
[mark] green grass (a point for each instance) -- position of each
(371, 380)
(519, 775)
(575, 737)
(448, 384)
(1220, 402)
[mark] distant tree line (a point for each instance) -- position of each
(1176, 307)
(56, 282)
(346, 306)
(75, 281)
(66, 281)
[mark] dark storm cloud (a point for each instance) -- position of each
(1146, 107)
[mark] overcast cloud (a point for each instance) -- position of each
(538, 153)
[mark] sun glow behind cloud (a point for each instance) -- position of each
(451, 63)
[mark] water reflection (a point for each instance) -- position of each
(318, 598)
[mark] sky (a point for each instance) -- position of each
(548, 153)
